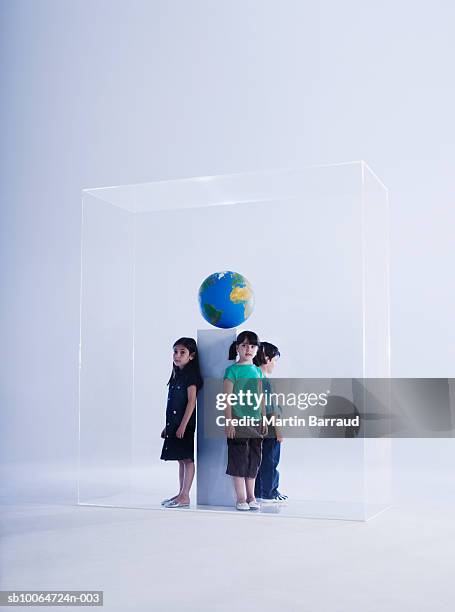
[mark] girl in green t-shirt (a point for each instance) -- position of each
(243, 378)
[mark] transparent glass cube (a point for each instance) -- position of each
(313, 242)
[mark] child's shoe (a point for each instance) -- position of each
(254, 504)
(242, 506)
(278, 499)
(176, 504)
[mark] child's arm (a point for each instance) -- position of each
(278, 434)
(263, 411)
(228, 388)
(192, 392)
(278, 412)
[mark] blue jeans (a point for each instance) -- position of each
(268, 477)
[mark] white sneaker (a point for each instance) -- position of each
(242, 506)
(274, 500)
(254, 505)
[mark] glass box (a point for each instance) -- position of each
(313, 243)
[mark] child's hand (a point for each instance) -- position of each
(163, 433)
(180, 431)
(264, 429)
(279, 438)
(230, 431)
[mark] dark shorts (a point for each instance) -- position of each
(244, 457)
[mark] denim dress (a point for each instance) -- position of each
(175, 448)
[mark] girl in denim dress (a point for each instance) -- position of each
(178, 433)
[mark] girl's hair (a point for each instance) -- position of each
(250, 336)
(193, 364)
(267, 350)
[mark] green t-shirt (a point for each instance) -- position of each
(245, 378)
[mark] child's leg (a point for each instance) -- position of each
(266, 469)
(249, 484)
(188, 475)
(238, 465)
(239, 486)
(275, 460)
(181, 475)
(254, 462)
(258, 484)
(262, 485)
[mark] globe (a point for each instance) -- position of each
(226, 299)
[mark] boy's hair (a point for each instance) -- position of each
(266, 350)
(193, 364)
(245, 335)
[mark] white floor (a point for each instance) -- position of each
(147, 560)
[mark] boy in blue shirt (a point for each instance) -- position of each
(268, 478)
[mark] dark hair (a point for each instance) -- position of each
(193, 365)
(245, 335)
(267, 350)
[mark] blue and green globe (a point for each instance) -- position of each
(226, 299)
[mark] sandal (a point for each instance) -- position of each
(176, 504)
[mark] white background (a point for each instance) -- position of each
(102, 93)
